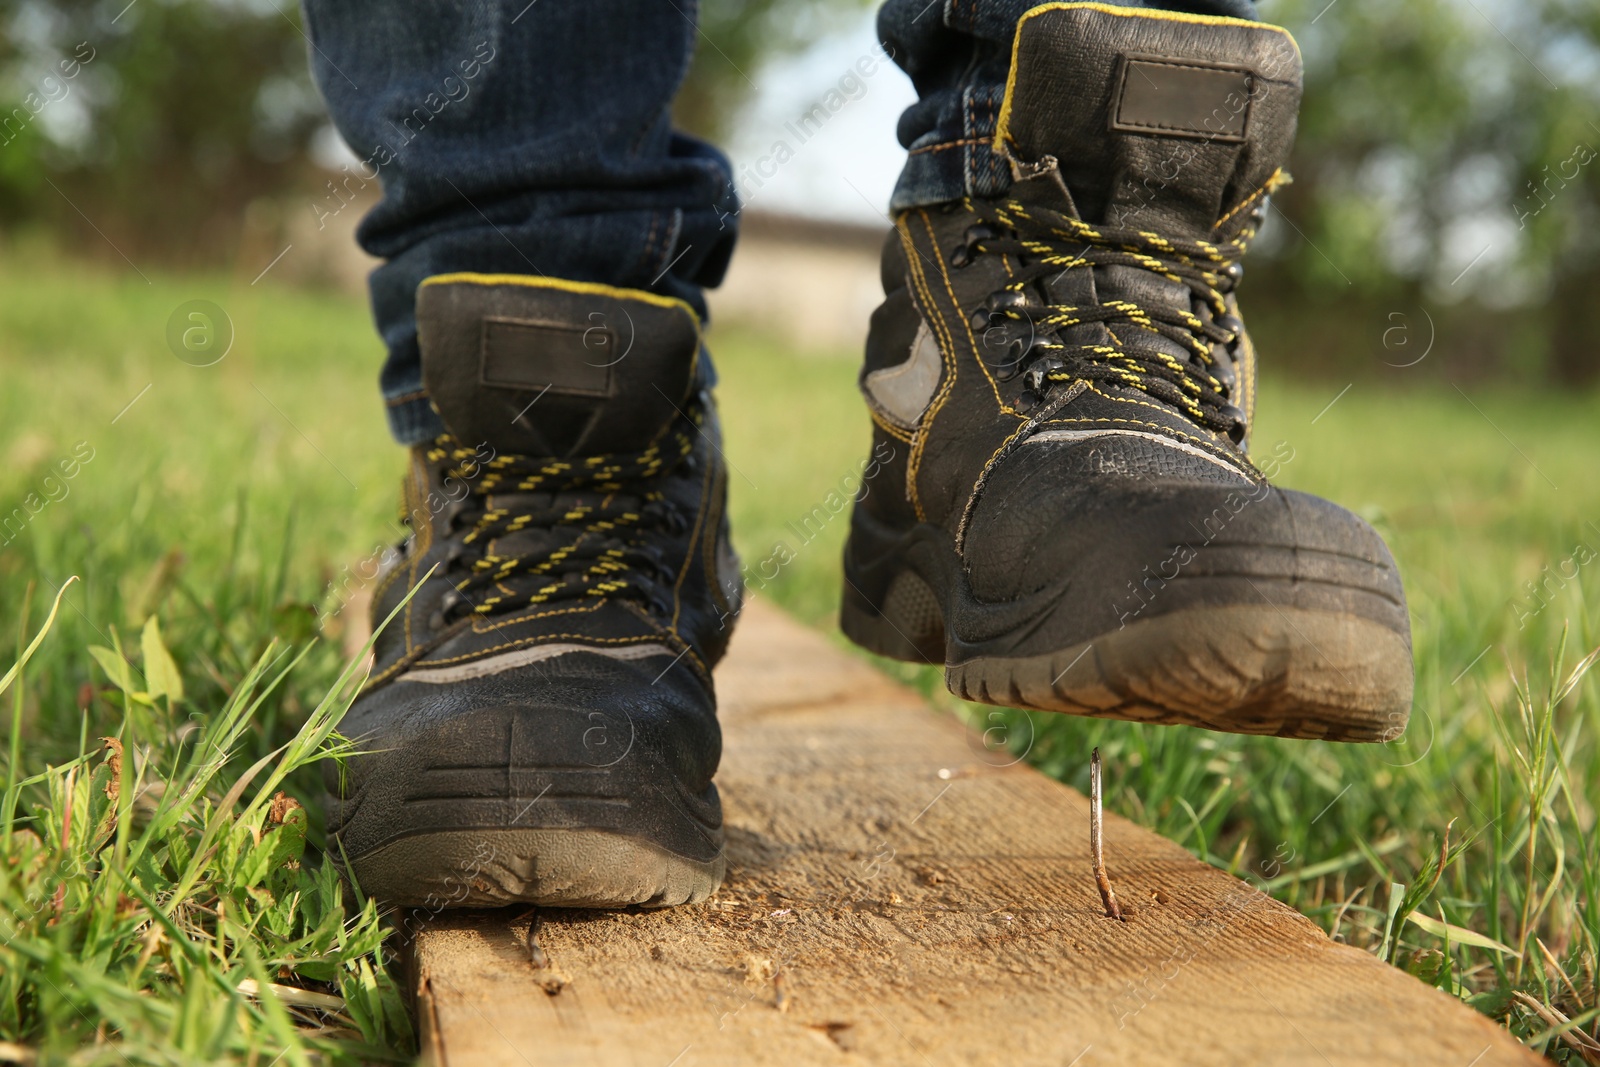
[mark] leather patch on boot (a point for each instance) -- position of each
(528, 355)
(902, 393)
(1182, 98)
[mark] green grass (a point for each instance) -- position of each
(139, 920)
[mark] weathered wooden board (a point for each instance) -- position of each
(894, 897)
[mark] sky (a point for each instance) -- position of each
(846, 169)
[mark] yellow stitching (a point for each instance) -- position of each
(690, 654)
(384, 674)
(1277, 181)
(919, 436)
(545, 638)
(562, 284)
(577, 609)
(694, 534)
(966, 324)
(994, 456)
(385, 582)
(947, 356)
(412, 584)
(949, 144)
(1210, 446)
(708, 558)
(1002, 128)
(1138, 403)
(1164, 430)
(1248, 371)
(897, 432)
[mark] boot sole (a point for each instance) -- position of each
(569, 868)
(1252, 669)
(506, 804)
(1282, 672)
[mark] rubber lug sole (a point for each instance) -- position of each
(567, 868)
(909, 626)
(1285, 672)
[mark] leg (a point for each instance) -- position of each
(1061, 372)
(958, 54)
(539, 725)
(519, 138)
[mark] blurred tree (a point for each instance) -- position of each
(1447, 153)
(735, 38)
(176, 114)
(180, 112)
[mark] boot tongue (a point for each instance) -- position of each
(1159, 120)
(546, 367)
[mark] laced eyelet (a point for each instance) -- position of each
(977, 232)
(442, 612)
(1236, 424)
(1194, 370)
(1006, 345)
(1038, 376)
(445, 609)
(1005, 300)
(1226, 376)
(603, 527)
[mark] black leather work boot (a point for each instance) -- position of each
(540, 724)
(1068, 389)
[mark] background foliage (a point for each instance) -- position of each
(1441, 160)
(1446, 182)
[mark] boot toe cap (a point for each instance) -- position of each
(536, 758)
(1108, 548)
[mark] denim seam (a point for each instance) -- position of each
(412, 421)
(943, 145)
(992, 123)
(647, 253)
(966, 130)
(674, 233)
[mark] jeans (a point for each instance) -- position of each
(535, 138)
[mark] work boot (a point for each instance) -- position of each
(1063, 378)
(539, 725)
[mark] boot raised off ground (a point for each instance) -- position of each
(540, 724)
(1069, 388)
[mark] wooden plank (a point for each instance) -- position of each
(894, 897)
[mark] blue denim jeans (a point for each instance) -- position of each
(535, 137)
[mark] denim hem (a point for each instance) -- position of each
(944, 170)
(413, 421)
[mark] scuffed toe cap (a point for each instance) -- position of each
(587, 742)
(1105, 541)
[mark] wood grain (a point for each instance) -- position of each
(895, 897)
